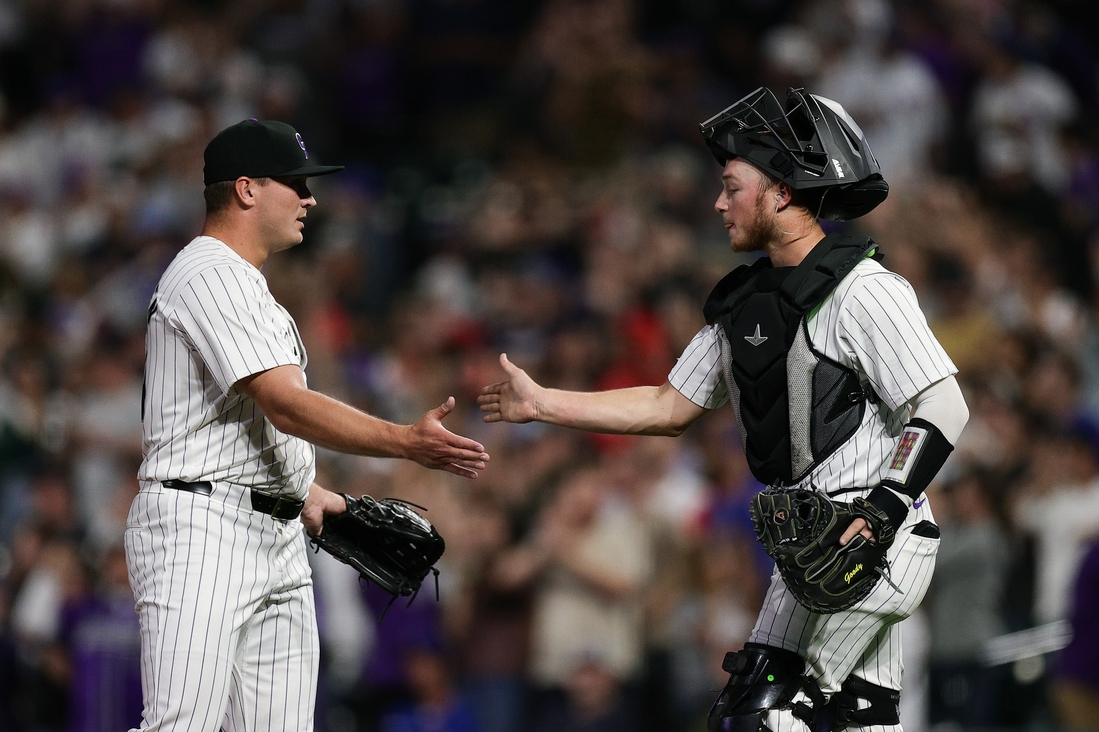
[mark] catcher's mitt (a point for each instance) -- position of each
(386, 541)
(800, 530)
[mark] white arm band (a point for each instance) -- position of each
(943, 405)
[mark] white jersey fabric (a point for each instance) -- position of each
(870, 323)
(212, 322)
(223, 592)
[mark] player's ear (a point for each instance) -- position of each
(783, 195)
(244, 190)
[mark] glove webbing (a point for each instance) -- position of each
(434, 571)
(348, 499)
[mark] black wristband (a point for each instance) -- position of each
(890, 503)
(920, 454)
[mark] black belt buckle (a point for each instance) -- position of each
(278, 507)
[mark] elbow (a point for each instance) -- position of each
(279, 414)
(665, 429)
(279, 396)
(675, 429)
(282, 422)
(961, 415)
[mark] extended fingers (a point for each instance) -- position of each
(470, 464)
(465, 456)
(457, 445)
(456, 448)
(459, 470)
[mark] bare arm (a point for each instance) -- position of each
(640, 410)
(296, 410)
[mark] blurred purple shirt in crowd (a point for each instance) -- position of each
(1080, 660)
(104, 642)
(402, 629)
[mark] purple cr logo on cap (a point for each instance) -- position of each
(301, 143)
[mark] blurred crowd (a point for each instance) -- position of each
(528, 177)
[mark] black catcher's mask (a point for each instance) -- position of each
(812, 145)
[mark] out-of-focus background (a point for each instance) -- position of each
(528, 177)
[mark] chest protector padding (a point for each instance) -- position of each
(789, 393)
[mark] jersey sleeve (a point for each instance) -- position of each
(697, 374)
(886, 334)
(227, 319)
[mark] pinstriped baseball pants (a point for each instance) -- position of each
(228, 624)
(865, 640)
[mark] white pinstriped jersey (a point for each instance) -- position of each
(870, 323)
(213, 321)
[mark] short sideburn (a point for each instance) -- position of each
(219, 195)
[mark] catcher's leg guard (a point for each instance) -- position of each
(844, 705)
(762, 678)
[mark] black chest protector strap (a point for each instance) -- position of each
(761, 310)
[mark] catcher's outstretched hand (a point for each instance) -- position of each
(511, 400)
(436, 447)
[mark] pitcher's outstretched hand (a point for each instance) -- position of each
(434, 446)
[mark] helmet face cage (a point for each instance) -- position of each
(811, 143)
(761, 114)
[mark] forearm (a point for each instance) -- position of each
(639, 410)
(331, 424)
(939, 414)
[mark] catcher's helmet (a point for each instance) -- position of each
(812, 145)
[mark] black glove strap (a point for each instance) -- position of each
(879, 521)
(888, 503)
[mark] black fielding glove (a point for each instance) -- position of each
(801, 529)
(386, 541)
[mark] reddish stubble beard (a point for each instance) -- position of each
(760, 232)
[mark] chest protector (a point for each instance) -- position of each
(796, 406)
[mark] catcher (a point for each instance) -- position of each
(848, 405)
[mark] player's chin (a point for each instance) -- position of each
(292, 240)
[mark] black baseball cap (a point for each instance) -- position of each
(259, 149)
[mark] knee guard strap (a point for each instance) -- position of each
(884, 706)
(761, 678)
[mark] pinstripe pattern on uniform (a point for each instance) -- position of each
(223, 593)
(899, 332)
(213, 321)
(228, 626)
(864, 641)
(872, 324)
